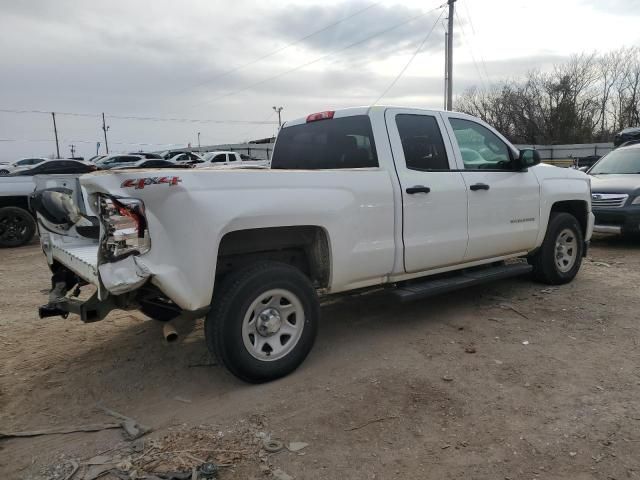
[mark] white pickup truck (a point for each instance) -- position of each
(355, 198)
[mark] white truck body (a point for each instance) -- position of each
(374, 231)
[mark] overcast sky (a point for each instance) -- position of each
(165, 59)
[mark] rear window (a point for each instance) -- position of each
(326, 144)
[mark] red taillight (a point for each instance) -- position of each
(314, 117)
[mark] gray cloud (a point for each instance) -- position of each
(291, 23)
(165, 58)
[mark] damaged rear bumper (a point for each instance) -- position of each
(118, 285)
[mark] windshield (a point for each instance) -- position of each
(623, 161)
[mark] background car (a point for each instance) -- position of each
(615, 192)
(50, 167)
(148, 155)
(187, 158)
(152, 163)
(626, 135)
(118, 160)
(22, 164)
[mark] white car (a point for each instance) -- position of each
(186, 158)
(229, 159)
(355, 199)
(22, 164)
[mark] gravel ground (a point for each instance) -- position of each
(509, 380)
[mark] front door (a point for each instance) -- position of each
(503, 203)
(434, 197)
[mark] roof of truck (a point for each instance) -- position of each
(364, 110)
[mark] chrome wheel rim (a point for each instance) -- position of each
(273, 325)
(566, 250)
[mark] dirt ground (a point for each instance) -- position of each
(511, 380)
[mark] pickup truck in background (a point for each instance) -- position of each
(354, 199)
(229, 158)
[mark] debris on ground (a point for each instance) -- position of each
(60, 430)
(525, 342)
(470, 349)
(132, 429)
(279, 474)
(182, 454)
(508, 306)
(297, 446)
(447, 378)
(369, 422)
(272, 446)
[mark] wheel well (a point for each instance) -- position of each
(577, 208)
(15, 201)
(304, 247)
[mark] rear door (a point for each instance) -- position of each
(434, 196)
(504, 204)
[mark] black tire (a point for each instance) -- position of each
(4, 172)
(17, 227)
(232, 302)
(545, 266)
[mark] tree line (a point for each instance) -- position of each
(588, 98)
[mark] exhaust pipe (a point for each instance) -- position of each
(169, 332)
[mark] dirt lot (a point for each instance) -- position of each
(510, 380)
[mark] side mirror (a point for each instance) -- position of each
(528, 158)
(583, 169)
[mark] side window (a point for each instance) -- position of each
(220, 158)
(232, 157)
(422, 142)
(480, 147)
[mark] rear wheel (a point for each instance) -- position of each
(4, 172)
(560, 256)
(17, 227)
(263, 321)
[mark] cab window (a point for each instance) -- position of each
(422, 142)
(481, 149)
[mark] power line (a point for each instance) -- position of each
(473, 57)
(473, 32)
(316, 60)
(415, 54)
(141, 118)
(278, 50)
(48, 140)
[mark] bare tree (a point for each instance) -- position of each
(586, 98)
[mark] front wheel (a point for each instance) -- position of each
(263, 321)
(560, 256)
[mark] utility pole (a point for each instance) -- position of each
(278, 110)
(105, 127)
(446, 67)
(73, 150)
(198, 141)
(450, 56)
(55, 132)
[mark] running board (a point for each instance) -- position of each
(429, 288)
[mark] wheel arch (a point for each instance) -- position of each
(578, 208)
(306, 247)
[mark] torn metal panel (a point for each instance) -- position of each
(123, 276)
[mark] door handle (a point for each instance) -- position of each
(418, 189)
(479, 186)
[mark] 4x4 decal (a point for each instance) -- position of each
(140, 183)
